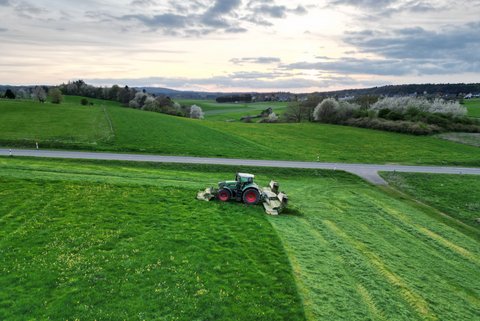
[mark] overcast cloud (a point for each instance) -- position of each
(240, 44)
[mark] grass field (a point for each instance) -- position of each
(119, 242)
(232, 111)
(457, 196)
(473, 106)
(67, 123)
(112, 240)
(123, 129)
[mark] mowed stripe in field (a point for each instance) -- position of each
(391, 260)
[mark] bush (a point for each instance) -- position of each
(382, 113)
(407, 127)
(326, 110)
(84, 101)
(56, 96)
(407, 105)
(331, 111)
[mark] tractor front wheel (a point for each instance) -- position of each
(251, 196)
(223, 195)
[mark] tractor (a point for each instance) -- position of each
(243, 189)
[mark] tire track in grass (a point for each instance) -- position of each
(443, 283)
(443, 268)
(310, 254)
(372, 306)
(414, 300)
(438, 275)
(404, 220)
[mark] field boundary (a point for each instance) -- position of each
(369, 172)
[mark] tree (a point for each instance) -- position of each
(294, 112)
(23, 94)
(196, 112)
(39, 94)
(55, 95)
(139, 100)
(113, 92)
(9, 94)
(151, 104)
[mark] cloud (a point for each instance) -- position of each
(4, 3)
(458, 43)
(165, 21)
(143, 3)
(221, 7)
(272, 10)
(29, 11)
(378, 9)
(3, 29)
(255, 60)
(354, 66)
(261, 82)
(387, 67)
(202, 17)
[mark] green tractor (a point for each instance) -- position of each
(243, 189)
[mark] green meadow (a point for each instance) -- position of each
(456, 196)
(107, 127)
(116, 240)
(232, 111)
(473, 106)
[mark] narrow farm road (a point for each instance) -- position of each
(367, 171)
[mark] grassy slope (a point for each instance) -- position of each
(457, 196)
(157, 133)
(89, 241)
(473, 106)
(357, 252)
(163, 134)
(49, 123)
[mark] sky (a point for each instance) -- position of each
(240, 45)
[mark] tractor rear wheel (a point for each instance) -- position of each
(251, 196)
(224, 195)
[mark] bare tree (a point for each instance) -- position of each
(39, 94)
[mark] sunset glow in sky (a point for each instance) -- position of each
(240, 45)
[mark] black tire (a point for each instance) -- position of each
(224, 195)
(251, 196)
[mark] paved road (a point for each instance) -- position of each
(368, 171)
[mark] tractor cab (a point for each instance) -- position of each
(244, 178)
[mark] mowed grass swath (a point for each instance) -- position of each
(361, 253)
(457, 196)
(127, 130)
(88, 241)
(109, 239)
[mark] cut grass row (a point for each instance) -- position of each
(357, 252)
(360, 253)
(140, 131)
